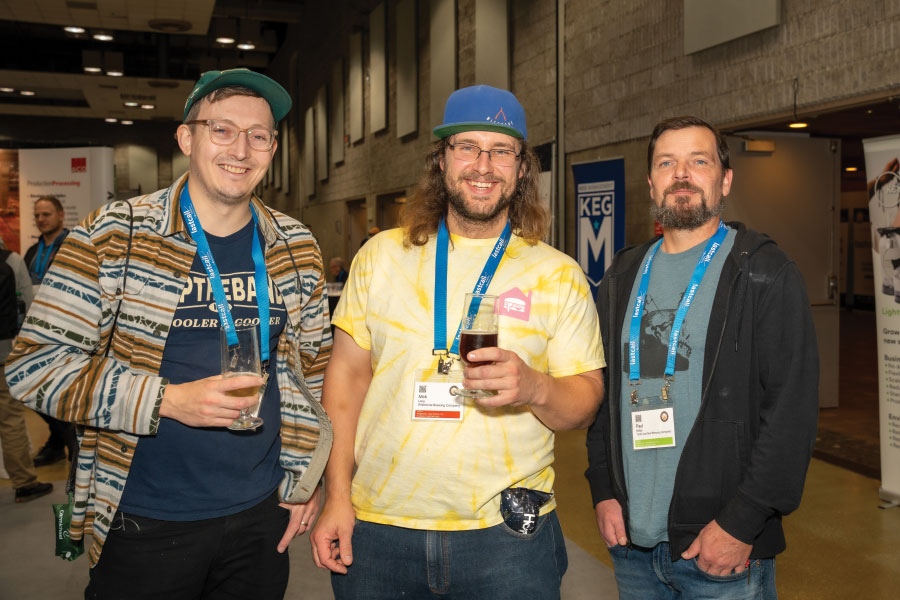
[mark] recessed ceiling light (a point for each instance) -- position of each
(93, 70)
(115, 73)
(130, 103)
(851, 169)
(126, 122)
(223, 39)
(798, 125)
(102, 36)
(73, 29)
(7, 89)
(246, 46)
(148, 106)
(111, 120)
(27, 93)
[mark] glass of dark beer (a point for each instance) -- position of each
(480, 326)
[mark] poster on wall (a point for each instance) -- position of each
(80, 178)
(599, 215)
(883, 177)
(9, 199)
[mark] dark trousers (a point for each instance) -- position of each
(62, 434)
(231, 557)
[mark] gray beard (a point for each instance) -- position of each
(672, 216)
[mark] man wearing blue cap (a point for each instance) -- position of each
(431, 494)
(143, 300)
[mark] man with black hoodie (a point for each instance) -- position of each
(704, 439)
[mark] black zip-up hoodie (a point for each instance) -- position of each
(745, 460)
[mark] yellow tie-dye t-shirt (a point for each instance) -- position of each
(448, 475)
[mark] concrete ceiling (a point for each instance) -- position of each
(164, 45)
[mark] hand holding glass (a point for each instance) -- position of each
(480, 327)
(243, 359)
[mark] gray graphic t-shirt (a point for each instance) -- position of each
(650, 473)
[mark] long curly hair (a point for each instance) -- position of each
(420, 216)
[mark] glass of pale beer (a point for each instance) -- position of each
(243, 359)
(480, 328)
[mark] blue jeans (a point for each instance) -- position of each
(652, 575)
(496, 563)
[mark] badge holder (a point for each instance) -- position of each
(652, 420)
(434, 398)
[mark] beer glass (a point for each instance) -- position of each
(480, 326)
(242, 359)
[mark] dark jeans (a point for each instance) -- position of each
(62, 434)
(496, 563)
(230, 557)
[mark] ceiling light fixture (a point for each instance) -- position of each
(111, 120)
(103, 36)
(126, 122)
(851, 169)
(130, 103)
(148, 106)
(27, 93)
(114, 64)
(225, 31)
(73, 29)
(797, 123)
(92, 61)
(7, 90)
(249, 35)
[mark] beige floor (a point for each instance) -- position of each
(840, 544)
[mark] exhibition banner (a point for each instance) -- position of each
(81, 178)
(883, 177)
(599, 215)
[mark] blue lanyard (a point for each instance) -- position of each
(440, 285)
(192, 222)
(634, 359)
(42, 261)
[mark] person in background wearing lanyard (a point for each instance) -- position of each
(418, 478)
(49, 216)
(179, 505)
(703, 443)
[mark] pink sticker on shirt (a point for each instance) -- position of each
(514, 304)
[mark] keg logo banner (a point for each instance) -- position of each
(599, 214)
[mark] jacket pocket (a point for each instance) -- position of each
(709, 472)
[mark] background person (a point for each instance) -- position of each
(13, 432)
(49, 217)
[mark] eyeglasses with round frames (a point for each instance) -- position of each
(502, 157)
(225, 133)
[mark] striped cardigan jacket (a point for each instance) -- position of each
(59, 365)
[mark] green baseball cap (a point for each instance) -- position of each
(277, 97)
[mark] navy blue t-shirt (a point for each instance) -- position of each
(189, 473)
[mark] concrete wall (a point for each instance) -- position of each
(624, 69)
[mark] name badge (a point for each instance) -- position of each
(434, 398)
(652, 424)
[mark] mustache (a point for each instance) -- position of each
(489, 178)
(682, 185)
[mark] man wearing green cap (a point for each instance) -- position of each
(430, 494)
(143, 300)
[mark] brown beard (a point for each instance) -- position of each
(679, 214)
(458, 204)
